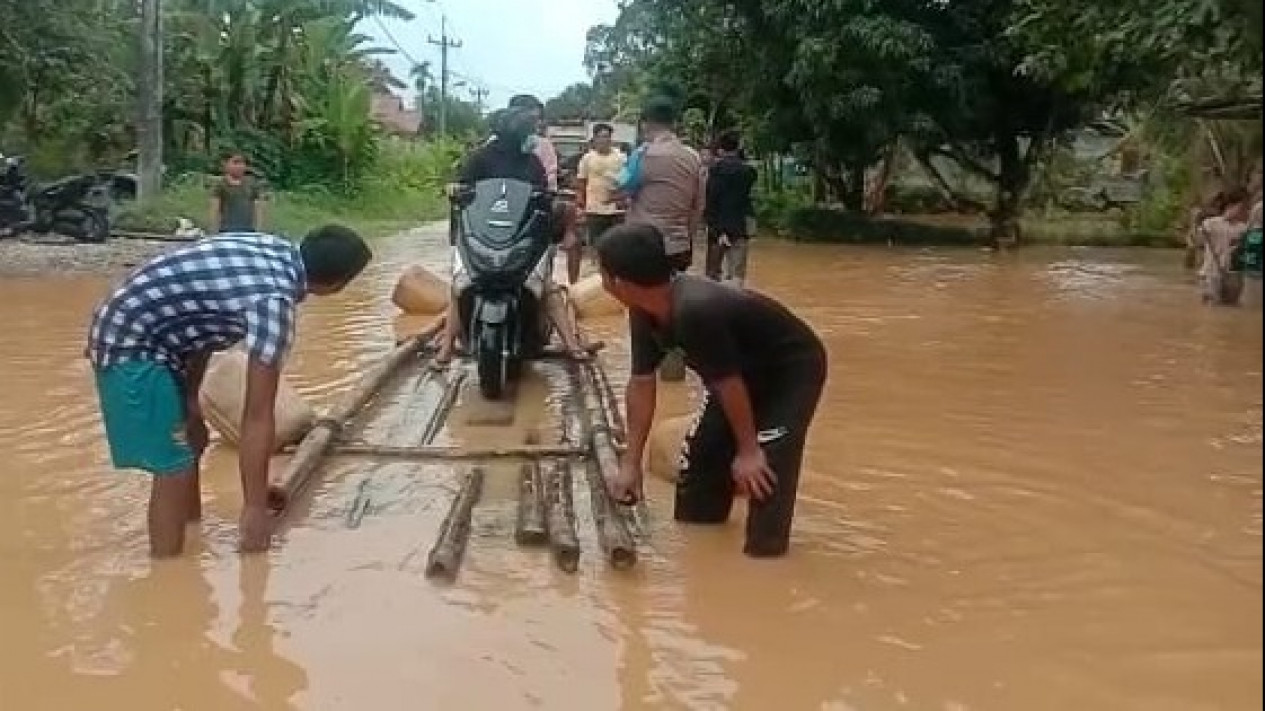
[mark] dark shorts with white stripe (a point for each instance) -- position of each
(784, 410)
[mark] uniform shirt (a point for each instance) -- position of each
(203, 298)
(667, 185)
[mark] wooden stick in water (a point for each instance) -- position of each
(359, 505)
(440, 414)
(561, 516)
(531, 529)
(456, 454)
(445, 557)
(299, 473)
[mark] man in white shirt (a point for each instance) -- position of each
(595, 195)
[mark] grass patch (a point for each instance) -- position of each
(286, 213)
(404, 188)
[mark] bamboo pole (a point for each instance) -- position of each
(299, 473)
(445, 557)
(531, 528)
(612, 530)
(456, 454)
(561, 516)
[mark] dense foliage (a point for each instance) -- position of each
(290, 82)
(989, 87)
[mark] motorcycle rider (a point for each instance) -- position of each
(510, 154)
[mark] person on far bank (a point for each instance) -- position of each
(237, 199)
(595, 195)
(663, 182)
(728, 211)
(763, 369)
(1220, 283)
(151, 339)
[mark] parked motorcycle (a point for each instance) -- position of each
(76, 206)
(502, 265)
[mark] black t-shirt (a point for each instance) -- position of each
(496, 160)
(722, 331)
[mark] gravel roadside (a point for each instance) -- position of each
(52, 256)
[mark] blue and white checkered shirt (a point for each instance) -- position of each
(201, 298)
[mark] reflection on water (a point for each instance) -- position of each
(1035, 482)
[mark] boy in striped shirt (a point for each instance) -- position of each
(150, 341)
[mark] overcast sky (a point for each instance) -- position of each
(508, 46)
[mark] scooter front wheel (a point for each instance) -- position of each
(491, 362)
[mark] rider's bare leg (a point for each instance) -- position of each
(560, 317)
(448, 337)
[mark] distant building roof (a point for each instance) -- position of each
(388, 110)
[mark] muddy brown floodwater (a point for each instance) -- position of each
(1034, 483)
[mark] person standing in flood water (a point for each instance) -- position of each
(728, 209)
(150, 342)
(1219, 282)
(763, 369)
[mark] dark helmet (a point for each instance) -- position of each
(515, 126)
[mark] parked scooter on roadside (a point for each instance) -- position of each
(502, 266)
(76, 206)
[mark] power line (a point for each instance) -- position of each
(444, 43)
(398, 47)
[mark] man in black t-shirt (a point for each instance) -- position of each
(763, 368)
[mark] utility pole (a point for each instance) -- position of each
(479, 94)
(149, 114)
(444, 43)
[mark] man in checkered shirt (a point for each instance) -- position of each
(150, 342)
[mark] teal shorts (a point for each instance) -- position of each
(143, 406)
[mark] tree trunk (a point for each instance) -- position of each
(1012, 184)
(853, 195)
(876, 199)
(150, 99)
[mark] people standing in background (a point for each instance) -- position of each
(663, 181)
(237, 199)
(595, 195)
(1219, 283)
(727, 211)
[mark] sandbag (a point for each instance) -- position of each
(591, 300)
(418, 291)
(663, 447)
(223, 400)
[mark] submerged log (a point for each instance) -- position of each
(445, 557)
(561, 516)
(610, 403)
(612, 529)
(531, 528)
(299, 472)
